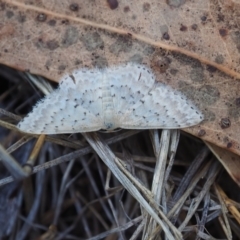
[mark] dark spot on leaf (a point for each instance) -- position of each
(92, 41)
(70, 36)
(52, 45)
(219, 59)
(52, 22)
(146, 7)
(204, 18)
(74, 7)
(187, 60)
(223, 32)
(122, 44)
(9, 14)
(211, 69)
(229, 145)
(194, 27)
(208, 94)
(113, 4)
(197, 73)
(225, 123)
(238, 102)
(41, 17)
(77, 62)
(166, 36)
(183, 28)
(201, 132)
(2, 6)
(126, 9)
(65, 21)
(62, 67)
(173, 71)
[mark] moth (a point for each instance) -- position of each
(124, 96)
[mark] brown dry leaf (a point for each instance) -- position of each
(194, 46)
(229, 160)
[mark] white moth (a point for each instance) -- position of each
(124, 96)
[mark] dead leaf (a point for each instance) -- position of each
(192, 46)
(229, 160)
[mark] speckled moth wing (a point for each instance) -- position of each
(124, 96)
(163, 107)
(73, 107)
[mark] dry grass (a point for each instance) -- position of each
(158, 186)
